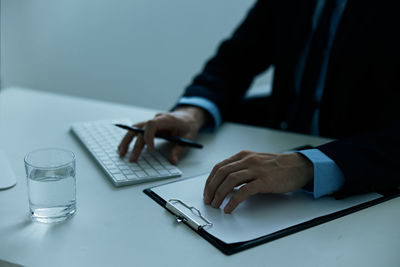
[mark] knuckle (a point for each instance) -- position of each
(222, 171)
(233, 177)
(151, 123)
(217, 166)
(243, 153)
(140, 124)
(168, 116)
(252, 159)
(215, 169)
(248, 160)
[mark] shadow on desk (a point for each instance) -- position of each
(8, 264)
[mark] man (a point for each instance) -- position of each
(336, 64)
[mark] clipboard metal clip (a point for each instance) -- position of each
(181, 216)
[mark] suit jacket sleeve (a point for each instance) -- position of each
(369, 161)
(227, 75)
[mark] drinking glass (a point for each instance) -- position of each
(51, 184)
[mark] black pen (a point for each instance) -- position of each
(174, 139)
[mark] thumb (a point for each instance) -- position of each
(176, 154)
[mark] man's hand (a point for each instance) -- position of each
(257, 173)
(183, 122)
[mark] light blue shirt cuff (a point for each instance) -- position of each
(328, 177)
(206, 104)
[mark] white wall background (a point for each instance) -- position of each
(139, 52)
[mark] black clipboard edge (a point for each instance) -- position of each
(232, 248)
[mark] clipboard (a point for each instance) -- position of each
(185, 212)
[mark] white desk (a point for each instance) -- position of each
(124, 227)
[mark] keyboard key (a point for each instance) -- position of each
(127, 172)
(141, 174)
(163, 172)
(119, 177)
(110, 166)
(145, 166)
(151, 172)
(114, 171)
(131, 176)
(159, 168)
(175, 171)
(135, 167)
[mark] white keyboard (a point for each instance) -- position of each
(102, 138)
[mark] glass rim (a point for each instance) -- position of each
(50, 149)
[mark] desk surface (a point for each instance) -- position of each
(124, 227)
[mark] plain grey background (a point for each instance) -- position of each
(136, 52)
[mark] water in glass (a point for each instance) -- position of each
(52, 194)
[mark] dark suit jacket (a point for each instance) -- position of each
(360, 104)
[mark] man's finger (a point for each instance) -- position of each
(176, 154)
(149, 133)
(137, 148)
(220, 175)
(229, 160)
(232, 180)
(243, 193)
(124, 145)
